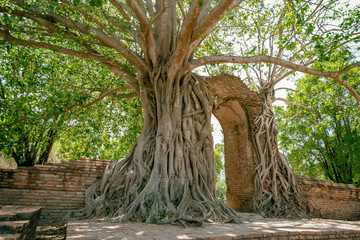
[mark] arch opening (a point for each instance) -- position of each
(219, 156)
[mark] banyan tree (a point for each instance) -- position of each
(155, 46)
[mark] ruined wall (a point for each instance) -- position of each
(238, 154)
(236, 108)
(58, 188)
(331, 200)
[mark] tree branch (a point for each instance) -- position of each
(294, 116)
(112, 65)
(44, 22)
(50, 34)
(139, 13)
(290, 102)
(114, 95)
(322, 95)
(69, 108)
(87, 30)
(207, 23)
(144, 34)
(292, 90)
(267, 59)
(185, 34)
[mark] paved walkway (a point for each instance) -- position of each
(255, 228)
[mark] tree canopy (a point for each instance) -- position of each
(39, 90)
(128, 37)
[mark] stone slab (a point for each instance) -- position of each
(17, 212)
(21, 220)
(13, 226)
(254, 228)
(9, 236)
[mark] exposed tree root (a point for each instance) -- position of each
(169, 177)
(277, 193)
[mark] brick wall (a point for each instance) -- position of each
(58, 188)
(331, 200)
(236, 109)
(323, 235)
(239, 156)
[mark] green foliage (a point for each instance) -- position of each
(102, 131)
(219, 171)
(39, 98)
(219, 159)
(295, 31)
(107, 211)
(221, 190)
(27, 90)
(323, 141)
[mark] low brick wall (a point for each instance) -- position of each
(58, 188)
(331, 200)
(323, 235)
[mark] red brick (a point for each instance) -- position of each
(44, 186)
(320, 237)
(254, 235)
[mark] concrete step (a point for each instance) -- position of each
(16, 212)
(19, 222)
(10, 236)
(51, 232)
(11, 227)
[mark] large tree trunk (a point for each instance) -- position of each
(169, 176)
(277, 193)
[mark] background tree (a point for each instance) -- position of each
(219, 171)
(321, 135)
(169, 176)
(38, 89)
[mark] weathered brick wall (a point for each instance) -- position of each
(331, 200)
(58, 188)
(323, 235)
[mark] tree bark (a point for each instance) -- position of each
(277, 193)
(48, 145)
(169, 177)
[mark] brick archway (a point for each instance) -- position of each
(236, 110)
(239, 162)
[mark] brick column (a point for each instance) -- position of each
(239, 156)
(237, 107)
